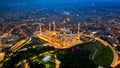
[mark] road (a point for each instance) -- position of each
(94, 54)
(115, 61)
(20, 44)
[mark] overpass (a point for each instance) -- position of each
(20, 44)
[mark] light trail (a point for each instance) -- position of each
(20, 44)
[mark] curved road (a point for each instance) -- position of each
(115, 61)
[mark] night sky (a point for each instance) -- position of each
(12, 3)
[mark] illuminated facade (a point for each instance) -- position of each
(63, 38)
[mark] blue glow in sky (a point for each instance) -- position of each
(8, 3)
(5, 1)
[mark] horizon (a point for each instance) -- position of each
(7, 3)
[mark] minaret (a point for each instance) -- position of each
(64, 33)
(49, 31)
(78, 31)
(40, 25)
(54, 25)
(0, 41)
(49, 27)
(78, 28)
(64, 21)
